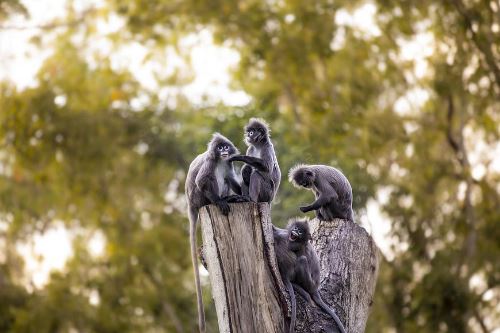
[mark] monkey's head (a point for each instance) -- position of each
(298, 233)
(256, 131)
(301, 175)
(221, 147)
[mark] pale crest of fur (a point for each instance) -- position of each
(294, 170)
(304, 221)
(258, 123)
(217, 139)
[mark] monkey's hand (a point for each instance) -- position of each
(223, 206)
(305, 209)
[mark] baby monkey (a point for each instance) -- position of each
(299, 267)
(331, 188)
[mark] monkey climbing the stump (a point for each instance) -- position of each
(299, 267)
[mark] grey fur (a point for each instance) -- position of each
(261, 173)
(331, 188)
(210, 180)
(299, 267)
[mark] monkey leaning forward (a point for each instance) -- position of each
(210, 180)
(299, 267)
(331, 188)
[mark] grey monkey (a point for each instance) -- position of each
(210, 180)
(261, 174)
(299, 267)
(331, 188)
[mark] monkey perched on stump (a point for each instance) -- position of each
(210, 180)
(331, 188)
(261, 173)
(299, 267)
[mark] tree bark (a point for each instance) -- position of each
(247, 288)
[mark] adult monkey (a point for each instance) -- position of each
(331, 188)
(210, 180)
(299, 267)
(261, 174)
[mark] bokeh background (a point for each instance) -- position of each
(104, 103)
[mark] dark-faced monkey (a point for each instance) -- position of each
(261, 173)
(299, 267)
(331, 188)
(210, 180)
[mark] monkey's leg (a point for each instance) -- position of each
(246, 172)
(319, 301)
(302, 292)
(289, 287)
(257, 163)
(255, 187)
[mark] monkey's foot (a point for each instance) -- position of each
(237, 198)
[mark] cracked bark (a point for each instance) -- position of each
(247, 289)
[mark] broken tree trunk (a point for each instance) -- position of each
(247, 288)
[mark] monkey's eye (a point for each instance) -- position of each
(226, 147)
(220, 148)
(250, 133)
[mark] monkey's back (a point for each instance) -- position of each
(286, 259)
(340, 184)
(194, 196)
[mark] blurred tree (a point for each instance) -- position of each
(417, 134)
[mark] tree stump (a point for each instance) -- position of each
(246, 285)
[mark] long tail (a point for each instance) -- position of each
(319, 301)
(291, 292)
(193, 217)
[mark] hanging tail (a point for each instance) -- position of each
(193, 218)
(319, 301)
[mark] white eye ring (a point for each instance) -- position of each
(251, 132)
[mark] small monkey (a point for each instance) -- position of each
(299, 267)
(210, 180)
(331, 188)
(261, 173)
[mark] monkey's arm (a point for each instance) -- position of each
(328, 194)
(257, 163)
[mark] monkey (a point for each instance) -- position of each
(210, 180)
(331, 188)
(299, 267)
(261, 174)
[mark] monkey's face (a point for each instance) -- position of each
(298, 234)
(225, 150)
(304, 178)
(255, 135)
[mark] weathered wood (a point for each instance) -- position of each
(247, 289)
(245, 285)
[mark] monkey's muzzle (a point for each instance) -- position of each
(224, 155)
(294, 235)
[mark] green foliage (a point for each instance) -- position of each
(92, 148)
